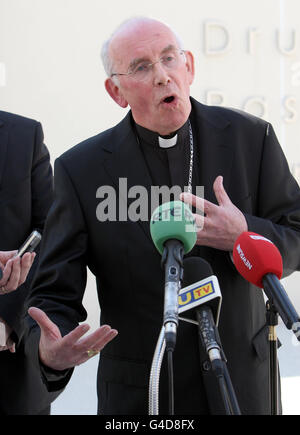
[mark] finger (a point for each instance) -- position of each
(94, 348)
(199, 221)
(12, 349)
(202, 205)
(193, 200)
(72, 338)
(106, 339)
(91, 340)
(220, 192)
(13, 281)
(99, 338)
(33, 255)
(6, 272)
(47, 326)
(11, 345)
(26, 264)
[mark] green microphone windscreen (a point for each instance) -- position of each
(173, 220)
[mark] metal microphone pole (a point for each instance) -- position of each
(272, 321)
(278, 304)
(209, 340)
(172, 262)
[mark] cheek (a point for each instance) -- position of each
(186, 83)
(140, 99)
(186, 78)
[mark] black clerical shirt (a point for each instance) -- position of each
(168, 166)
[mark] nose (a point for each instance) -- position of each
(160, 75)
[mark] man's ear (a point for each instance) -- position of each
(190, 64)
(115, 93)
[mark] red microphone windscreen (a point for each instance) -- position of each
(254, 256)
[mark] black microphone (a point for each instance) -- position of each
(201, 299)
(201, 289)
(204, 291)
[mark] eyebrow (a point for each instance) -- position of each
(138, 60)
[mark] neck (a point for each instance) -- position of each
(155, 139)
(166, 134)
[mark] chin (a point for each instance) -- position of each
(175, 124)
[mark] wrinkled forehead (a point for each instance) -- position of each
(141, 41)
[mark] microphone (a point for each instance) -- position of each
(200, 303)
(201, 299)
(201, 291)
(259, 261)
(173, 232)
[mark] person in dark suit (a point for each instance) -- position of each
(26, 194)
(248, 186)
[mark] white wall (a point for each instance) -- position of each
(50, 68)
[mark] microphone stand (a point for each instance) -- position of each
(209, 340)
(272, 322)
(218, 365)
(172, 262)
(278, 304)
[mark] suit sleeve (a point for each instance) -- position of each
(278, 212)
(60, 280)
(41, 200)
(41, 182)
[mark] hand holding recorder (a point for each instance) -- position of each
(15, 265)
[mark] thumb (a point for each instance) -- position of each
(220, 192)
(48, 328)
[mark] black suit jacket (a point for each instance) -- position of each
(26, 193)
(126, 264)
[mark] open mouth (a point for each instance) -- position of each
(169, 100)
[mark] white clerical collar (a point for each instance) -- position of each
(167, 143)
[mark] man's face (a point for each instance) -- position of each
(160, 102)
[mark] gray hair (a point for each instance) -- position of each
(106, 59)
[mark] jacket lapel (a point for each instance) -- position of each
(125, 161)
(216, 155)
(3, 148)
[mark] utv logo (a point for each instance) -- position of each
(243, 258)
(195, 294)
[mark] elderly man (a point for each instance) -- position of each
(166, 139)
